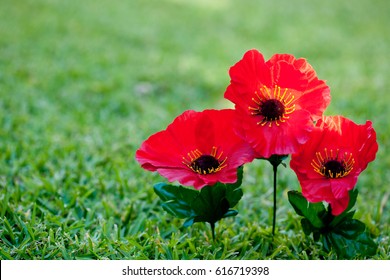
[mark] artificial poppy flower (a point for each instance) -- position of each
(329, 163)
(196, 149)
(276, 101)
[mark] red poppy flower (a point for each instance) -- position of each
(329, 163)
(276, 101)
(197, 149)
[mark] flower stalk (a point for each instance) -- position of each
(275, 169)
(212, 225)
(275, 161)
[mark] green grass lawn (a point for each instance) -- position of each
(83, 83)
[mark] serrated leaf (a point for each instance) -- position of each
(345, 247)
(177, 199)
(311, 211)
(349, 240)
(178, 209)
(350, 228)
(210, 204)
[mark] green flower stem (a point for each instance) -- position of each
(213, 230)
(275, 160)
(275, 169)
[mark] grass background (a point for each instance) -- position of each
(83, 83)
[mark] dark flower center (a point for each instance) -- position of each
(205, 164)
(334, 169)
(271, 109)
(333, 164)
(273, 105)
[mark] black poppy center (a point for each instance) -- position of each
(205, 164)
(272, 109)
(333, 169)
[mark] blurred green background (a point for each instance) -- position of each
(83, 83)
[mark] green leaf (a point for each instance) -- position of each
(177, 199)
(189, 222)
(346, 236)
(316, 235)
(313, 212)
(351, 244)
(307, 227)
(210, 204)
(230, 213)
(350, 228)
